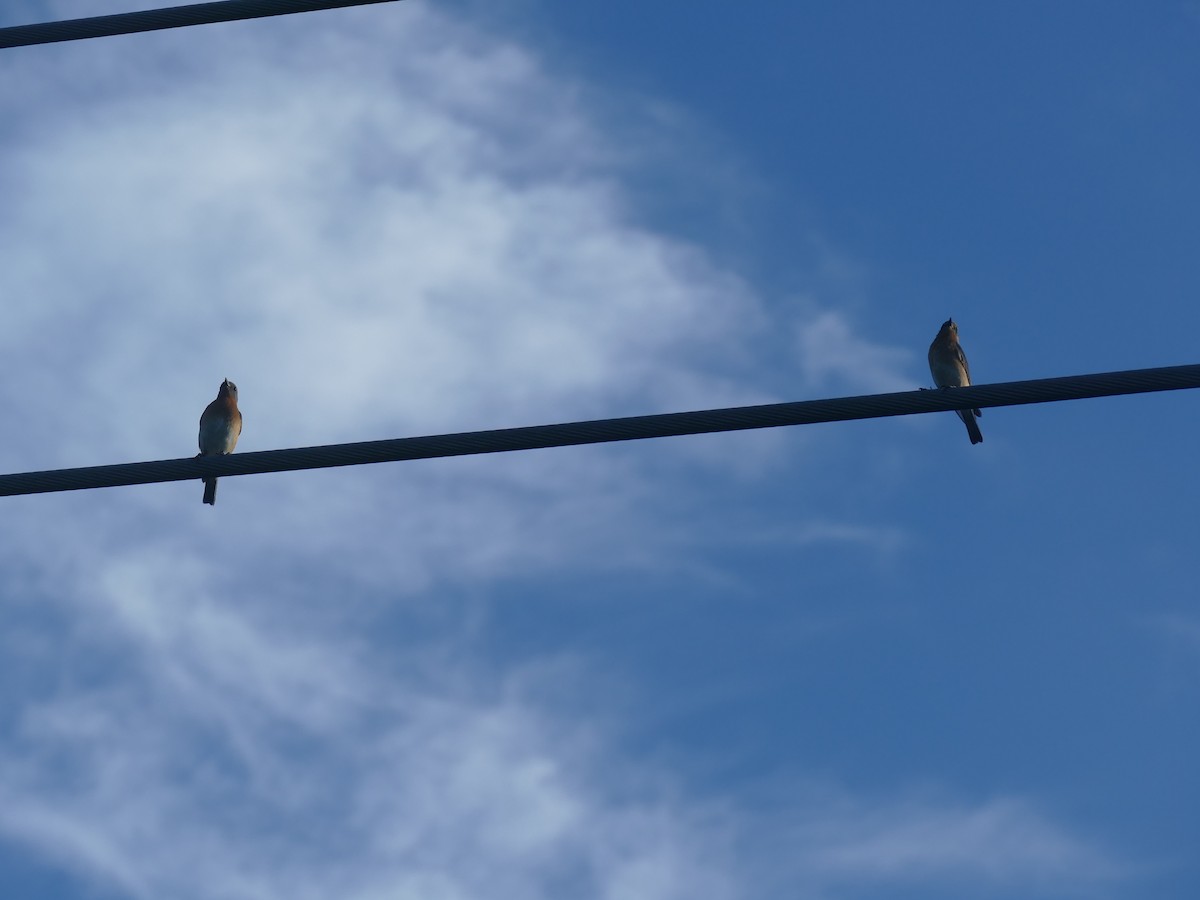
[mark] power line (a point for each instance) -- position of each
(158, 19)
(599, 431)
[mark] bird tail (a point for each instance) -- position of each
(968, 417)
(210, 487)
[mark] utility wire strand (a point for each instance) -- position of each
(807, 412)
(158, 19)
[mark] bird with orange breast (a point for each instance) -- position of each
(220, 425)
(949, 367)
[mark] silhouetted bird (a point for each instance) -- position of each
(949, 367)
(220, 425)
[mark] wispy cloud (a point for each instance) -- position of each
(282, 760)
(999, 842)
(831, 353)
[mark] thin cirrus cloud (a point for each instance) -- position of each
(830, 352)
(377, 222)
(994, 843)
(282, 762)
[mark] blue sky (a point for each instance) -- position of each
(862, 660)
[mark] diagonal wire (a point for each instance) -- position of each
(806, 412)
(158, 19)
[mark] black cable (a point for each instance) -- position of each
(158, 19)
(807, 412)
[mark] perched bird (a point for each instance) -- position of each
(949, 367)
(220, 425)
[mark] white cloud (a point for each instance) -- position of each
(831, 353)
(394, 236)
(996, 843)
(280, 761)
(284, 760)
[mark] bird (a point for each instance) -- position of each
(220, 425)
(949, 367)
